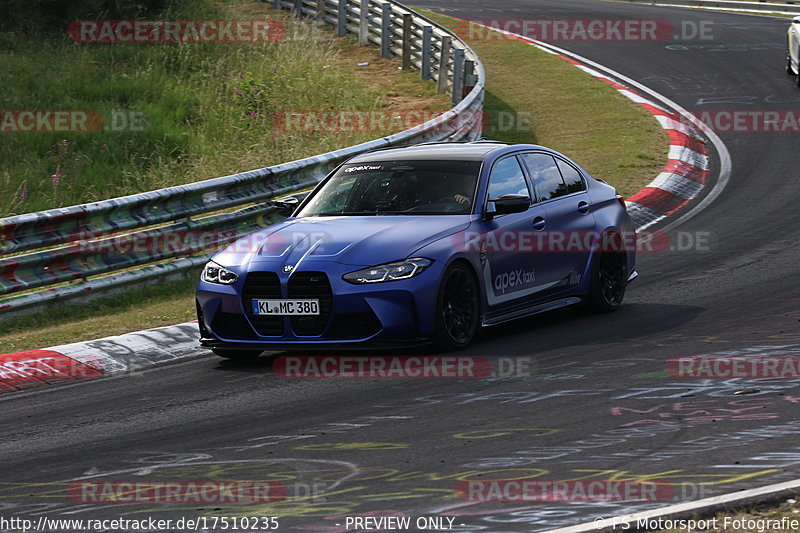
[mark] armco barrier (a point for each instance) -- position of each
(743, 5)
(41, 252)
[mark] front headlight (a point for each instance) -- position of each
(388, 272)
(213, 273)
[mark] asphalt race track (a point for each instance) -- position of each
(589, 398)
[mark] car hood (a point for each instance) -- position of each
(350, 240)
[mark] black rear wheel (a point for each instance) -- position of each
(609, 278)
(457, 308)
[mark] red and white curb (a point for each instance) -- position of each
(32, 368)
(100, 357)
(686, 170)
(687, 166)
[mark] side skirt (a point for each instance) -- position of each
(536, 309)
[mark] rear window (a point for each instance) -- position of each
(546, 178)
(572, 178)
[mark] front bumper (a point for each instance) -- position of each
(379, 314)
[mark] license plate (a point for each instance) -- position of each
(286, 307)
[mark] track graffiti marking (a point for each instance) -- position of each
(495, 433)
(698, 412)
(568, 452)
(334, 446)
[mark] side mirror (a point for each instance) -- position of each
(506, 204)
(286, 205)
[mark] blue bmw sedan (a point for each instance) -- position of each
(426, 243)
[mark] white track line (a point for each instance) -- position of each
(698, 507)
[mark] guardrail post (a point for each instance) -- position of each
(407, 41)
(425, 56)
(320, 15)
(298, 8)
(276, 4)
(341, 18)
(407, 23)
(386, 29)
(458, 74)
(444, 60)
(469, 77)
(363, 24)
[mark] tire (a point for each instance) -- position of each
(457, 309)
(609, 279)
(238, 355)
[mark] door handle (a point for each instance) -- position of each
(538, 223)
(583, 207)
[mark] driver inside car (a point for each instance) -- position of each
(459, 187)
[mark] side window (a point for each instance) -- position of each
(572, 178)
(507, 178)
(547, 179)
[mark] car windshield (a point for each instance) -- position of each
(397, 188)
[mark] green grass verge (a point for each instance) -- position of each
(163, 304)
(201, 110)
(563, 108)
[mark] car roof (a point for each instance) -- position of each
(467, 151)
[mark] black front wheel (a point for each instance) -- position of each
(609, 280)
(457, 308)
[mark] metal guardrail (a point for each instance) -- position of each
(128, 237)
(788, 7)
